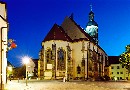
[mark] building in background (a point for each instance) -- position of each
(9, 69)
(36, 67)
(117, 71)
(72, 52)
(30, 68)
(3, 43)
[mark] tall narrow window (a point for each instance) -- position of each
(61, 59)
(48, 55)
(118, 67)
(112, 67)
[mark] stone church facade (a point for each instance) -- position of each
(70, 51)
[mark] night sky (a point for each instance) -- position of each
(31, 20)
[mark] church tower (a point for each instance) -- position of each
(92, 27)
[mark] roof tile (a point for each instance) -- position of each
(57, 33)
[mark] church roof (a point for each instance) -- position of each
(91, 19)
(57, 33)
(88, 37)
(91, 12)
(92, 23)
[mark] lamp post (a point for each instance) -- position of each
(26, 61)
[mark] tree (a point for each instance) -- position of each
(20, 72)
(125, 58)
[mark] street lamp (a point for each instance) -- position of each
(25, 60)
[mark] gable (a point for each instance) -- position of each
(71, 29)
(74, 31)
(57, 33)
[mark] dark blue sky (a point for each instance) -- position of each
(31, 20)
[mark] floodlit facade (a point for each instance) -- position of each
(3, 42)
(70, 51)
(117, 70)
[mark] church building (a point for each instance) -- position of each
(72, 52)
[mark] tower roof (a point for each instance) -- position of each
(91, 18)
(91, 12)
(90, 23)
(57, 33)
(88, 37)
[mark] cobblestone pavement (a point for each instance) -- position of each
(72, 85)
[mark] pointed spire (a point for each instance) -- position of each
(72, 16)
(91, 7)
(91, 14)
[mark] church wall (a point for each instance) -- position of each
(104, 59)
(101, 57)
(77, 57)
(79, 51)
(59, 44)
(72, 31)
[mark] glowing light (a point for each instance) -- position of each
(25, 59)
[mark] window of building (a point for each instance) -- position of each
(118, 67)
(117, 78)
(121, 78)
(121, 72)
(78, 69)
(111, 72)
(122, 66)
(117, 72)
(61, 65)
(112, 67)
(127, 78)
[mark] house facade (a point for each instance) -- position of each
(72, 52)
(117, 70)
(3, 43)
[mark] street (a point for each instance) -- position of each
(60, 85)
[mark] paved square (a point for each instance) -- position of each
(60, 85)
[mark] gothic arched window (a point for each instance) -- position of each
(48, 55)
(61, 59)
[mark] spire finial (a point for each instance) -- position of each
(72, 16)
(91, 7)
